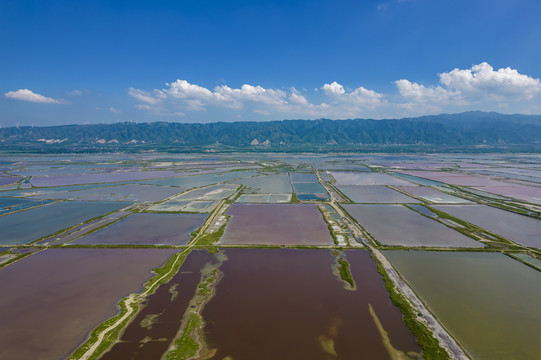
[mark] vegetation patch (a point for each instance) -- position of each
(345, 274)
(186, 346)
(470, 230)
(341, 270)
(190, 340)
(212, 238)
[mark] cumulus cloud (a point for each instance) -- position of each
(333, 88)
(421, 93)
(297, 98)
(75, 93)
(182, 95)
(145, 96)
(249, 93)
(357, 99)
(182, 89)
(480, 85)
(28, 95)
(482, 81)
(114, 110)
(193, 97)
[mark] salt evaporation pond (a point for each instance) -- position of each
(303, 177)
(53, 299)
(264, 198)
(304, 188)
(267, 184)
(200, 206)
(375, 194)
(276, 224)
(518, 228)
(432, 195)
(457, 178)
(163, 311)
(418, 180)
(528, 259)
(488, 301)
(531, 194)
(213, 192)
(423, 210)
(8, 180)
(48, 190)
(29, 225)
(201, 180)
(8, 205)
(128, 192)
(60, 180)
(311, 197)
(288, 304)
(355, 178)
(398, 225)
(147, 229)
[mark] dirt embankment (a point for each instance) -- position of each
(446, 341)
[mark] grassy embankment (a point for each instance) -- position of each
(16, 258)
(473, 231)
(430, 345)
(163, 275)
(209, 239)
(191, 340)
(110, 338)
(329, 226)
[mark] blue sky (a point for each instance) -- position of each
(64, 62)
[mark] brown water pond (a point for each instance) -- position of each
(53, 299)
(151, 332)
(288, 304)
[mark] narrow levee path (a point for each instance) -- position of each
(445, 340)
(132, 300)
(128, 303)
(440, 333)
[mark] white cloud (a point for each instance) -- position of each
(144, 96)
(358, 99)
(297, 98)
(249, 93)
(114, 110)
(333, 88)
(184, 90)
(478, 86)
(28, 95)
(421, 93)
(481, 81)
(197, 98)
(75, 93)
(184, 96)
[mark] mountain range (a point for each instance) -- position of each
(469, 129)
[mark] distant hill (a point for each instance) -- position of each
(444, 130)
